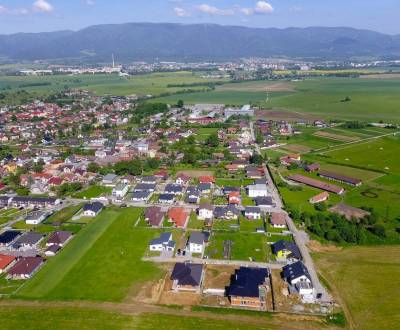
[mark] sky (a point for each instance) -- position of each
(51, 15)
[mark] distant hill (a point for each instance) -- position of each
(147, 41)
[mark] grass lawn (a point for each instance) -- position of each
(93, 192)
(53, 272)
(65, 214)
(31, 318)
(195, 223)
(363, 278)
(250, 225)
(244, 246)
(113, 261)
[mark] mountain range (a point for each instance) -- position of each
(167, 41)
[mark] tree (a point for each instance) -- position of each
(213, 140)
(132, 167)
(38, 167)
(256, 159)
(152, 163)
(93, 167)
(180, 104)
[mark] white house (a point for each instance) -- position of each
(257, 190)
(205, 212)
(35, 218)
(196, 242)
(120, 190)
(252, 212)
(92, 209)
(162, 243)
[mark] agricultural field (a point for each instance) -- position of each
(92, 263)
(361, 279)
(103, 84)
(320, 97)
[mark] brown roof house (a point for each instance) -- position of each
(59, 238)
(24, 268)
(154, 216)
(322, 197)
(278, 220)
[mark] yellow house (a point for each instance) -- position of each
(11, 167)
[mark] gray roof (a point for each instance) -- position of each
(252, 209)
(196, 238)
(109, 177)
(95, 207)
(30, 238)
(164, 238)
(187, 274)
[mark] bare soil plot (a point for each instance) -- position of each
(169, 297)
(316, 246)
(284, 115)
(260, 86)
(348, 211)
(336, 137)
(195, 173)
(298, 148)
(218, 277)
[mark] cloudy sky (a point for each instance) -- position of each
(50, 15)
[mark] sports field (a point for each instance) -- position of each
(363, 280)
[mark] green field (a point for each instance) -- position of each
(102, 263)
(102, 84)
(371, 99)
(65, 214)
(244, 246)
(362, 278)
(93, 192)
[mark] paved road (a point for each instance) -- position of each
(300, 237)
(215, 262)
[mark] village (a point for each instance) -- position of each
(198, 174)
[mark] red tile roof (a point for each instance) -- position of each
(207, 179)
(178, 215)
(5, 260)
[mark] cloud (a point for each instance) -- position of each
(211, 10)
(181, 12)
(42, 6)
(90, 2)
(261, 8)
(3, 9)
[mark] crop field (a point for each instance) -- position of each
(381, 154)
(370, 99)
(104, 84)
(106, 254)
(362, 280)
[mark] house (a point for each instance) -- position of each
(252, 212)
(33, 202)
(296, 272)
(207, 179)
(205, 211)
(109, 180)
(204, 188)
(174, 189)
(234, 198)
(228, 190)
(92, 209)
(6, 262)
(154, 216)
(187, 277)
(182, 179)
(29, 240)
(151, 187)
(192, 195)
(7, 237)
(36, 217)
(322, 197)
(150, 179)
(120, 190)
(312, 167)
(299, 280)
(278, 220)
(140, 196)
(166, 199)
(196, 242)
(178, 216)
(162, 243)
(249, 287)
(24, 268)
(285, 250)
(59, 238)
(52, 250)
(290, 159)
(257, 190)
(229, 212)
(161, 175)
(264, 201)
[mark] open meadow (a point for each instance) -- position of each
(363, 280)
